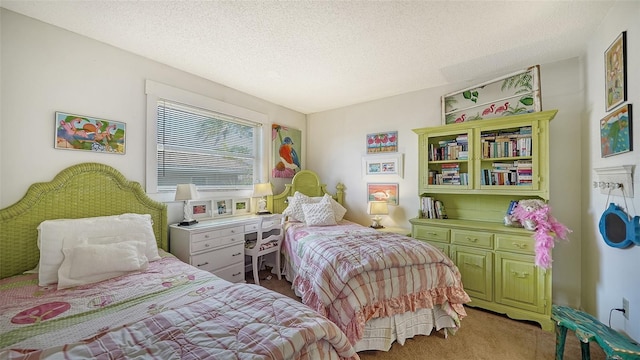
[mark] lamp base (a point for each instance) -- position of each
(376, 227)
(187, 222)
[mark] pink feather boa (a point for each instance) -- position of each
(547, 227)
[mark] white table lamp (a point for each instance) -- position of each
(262, 191)
(186, 193)
(377, 208)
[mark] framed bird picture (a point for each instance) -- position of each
(286, 151)
(383, 192)
(80, 132)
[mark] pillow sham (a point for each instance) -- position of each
(90, 263)
(294, 208)
(72, 232)
(320, 214)
(338, 210)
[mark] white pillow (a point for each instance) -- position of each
(53, 233)
(338, 210)
(294, 208)
(89, 263)
(319, 214)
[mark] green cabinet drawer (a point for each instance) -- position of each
(472, 238)
(439, 245)
(517, 244)
(431, 233)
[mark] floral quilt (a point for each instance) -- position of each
(170, 311)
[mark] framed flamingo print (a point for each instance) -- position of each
(382, 142)
(512, 94)
(383, 192)
(79, 132)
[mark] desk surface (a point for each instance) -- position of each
(227, 220)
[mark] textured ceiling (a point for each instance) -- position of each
(312, 56)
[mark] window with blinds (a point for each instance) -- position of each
(205, 148)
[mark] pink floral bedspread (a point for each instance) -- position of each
(172, 310)
(351, 274)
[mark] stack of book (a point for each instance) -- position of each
(525, 172)
(507, 144)
(518, 172)
(452, 149)
(431, 208)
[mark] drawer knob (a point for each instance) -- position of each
(206, 236)
(236, 254)
(206, 245)
(520, 246)
(236, 274)
(206, 263)
(432, 233)
(472, 239)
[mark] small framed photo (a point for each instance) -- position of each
(80, 132)
(222, 207)
(383, 192)
(382, 142)
(615, 63)
(383, 164)
(240, 206)
(200, 209)
(616, 132)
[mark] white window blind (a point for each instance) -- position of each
(205, 148)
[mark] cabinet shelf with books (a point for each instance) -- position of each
(504, 156)
(507, 160)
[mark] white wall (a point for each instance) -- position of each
(609, 273)
(47, 69)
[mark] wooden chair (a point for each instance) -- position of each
(270, 235)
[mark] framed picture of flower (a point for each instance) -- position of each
(615, 63)
(382, 142)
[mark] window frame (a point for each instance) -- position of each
(156, 91)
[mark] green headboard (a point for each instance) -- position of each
(83, 190)
(306, 182)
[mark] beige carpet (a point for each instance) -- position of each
(482, 335)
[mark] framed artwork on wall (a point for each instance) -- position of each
(512, 94)
(383, 192)
(382, 142)
(200, 209)
(79, 132)
(287, 151)
(615, 63)
(383, 164)
(616, 132)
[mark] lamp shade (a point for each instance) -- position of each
(263, 189)
(378, 208)
(186, 192)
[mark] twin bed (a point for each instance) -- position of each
(166, 310)
(374, 288)
(377, 287)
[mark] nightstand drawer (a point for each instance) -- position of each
(232, 231)
(519, 244)
(212, 260)
(472, 238)
(216, 242)
(233, 273)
